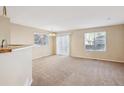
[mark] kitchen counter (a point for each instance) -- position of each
(16, 66)
(13, 47)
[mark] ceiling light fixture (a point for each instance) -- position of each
(52, 34)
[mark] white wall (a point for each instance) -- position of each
(16, 67)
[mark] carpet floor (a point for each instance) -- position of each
(70, 71)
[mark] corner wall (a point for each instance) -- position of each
(25, 35)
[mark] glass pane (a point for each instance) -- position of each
(37, 39)
(100, 38)
(89, 41)
(63, 45)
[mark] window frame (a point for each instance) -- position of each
(39, 45)
(105, 48)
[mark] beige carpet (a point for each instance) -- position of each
(60, 70)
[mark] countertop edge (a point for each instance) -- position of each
(23, 47)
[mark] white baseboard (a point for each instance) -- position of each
(100, 59)
(42, 56)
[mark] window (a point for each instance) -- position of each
(40, 39)
(95, 41)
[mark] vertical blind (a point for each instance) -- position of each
(63, 45)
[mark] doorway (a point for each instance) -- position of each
(62, 44)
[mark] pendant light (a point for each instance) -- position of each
(4, 11)
(52, 33)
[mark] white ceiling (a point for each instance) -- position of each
(62, 18)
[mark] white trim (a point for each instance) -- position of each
(102, 59)
(42, 56)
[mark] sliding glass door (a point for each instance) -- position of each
(62, 45)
